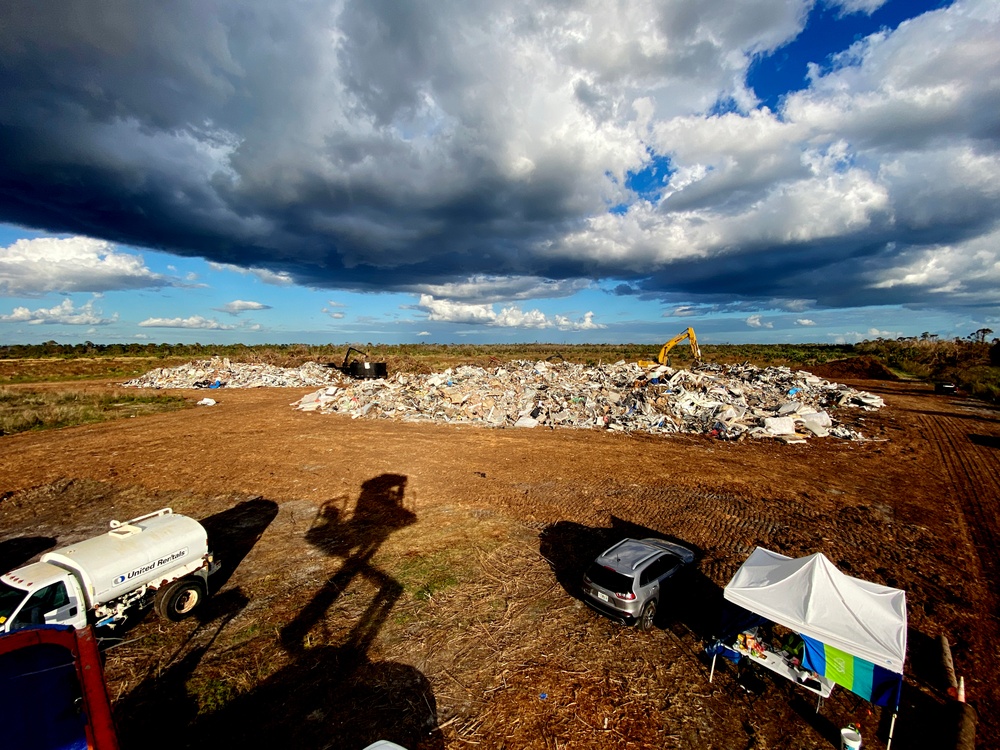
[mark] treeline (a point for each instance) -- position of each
(973, 363)
(163, 351)
(790, 354)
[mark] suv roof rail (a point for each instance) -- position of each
(641, 560)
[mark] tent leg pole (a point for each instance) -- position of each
(712, 673)
(892, 726)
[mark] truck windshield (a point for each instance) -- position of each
(10, 598)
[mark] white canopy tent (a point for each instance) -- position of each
(854, 618)
(812, 597)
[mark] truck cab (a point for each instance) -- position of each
(40, 594)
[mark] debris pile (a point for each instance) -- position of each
(219, 372)
(730, 402)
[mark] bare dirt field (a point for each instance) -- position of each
(418, 582)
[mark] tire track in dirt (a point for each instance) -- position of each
(974, 472)
(724, 527)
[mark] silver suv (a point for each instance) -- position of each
(625, 581)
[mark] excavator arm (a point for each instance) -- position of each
(687, 334)
(663, 357)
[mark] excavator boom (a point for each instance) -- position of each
(687, 334)
(663, 357)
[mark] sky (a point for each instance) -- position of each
(498, 171)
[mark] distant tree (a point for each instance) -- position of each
(980, 336)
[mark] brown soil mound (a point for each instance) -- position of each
(855, 368)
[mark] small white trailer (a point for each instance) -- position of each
(161, 555)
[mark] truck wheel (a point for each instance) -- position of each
(647, 616)
(179, 600)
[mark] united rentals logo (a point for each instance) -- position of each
(172, 557)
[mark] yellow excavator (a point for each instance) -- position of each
(663, 357)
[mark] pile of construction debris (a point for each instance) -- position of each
(730, 402)
(219, 372)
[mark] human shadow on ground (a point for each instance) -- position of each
(165, 690)
(690, 598)
(333, 694)
(16, 552)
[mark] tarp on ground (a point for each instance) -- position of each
(855, 630)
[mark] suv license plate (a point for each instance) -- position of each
(602, 596)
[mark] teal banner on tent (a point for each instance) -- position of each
(870, 681)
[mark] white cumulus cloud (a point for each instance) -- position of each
(755, 321)
(238, 306)
(64, 313)
(72, 264)
(195, 322)
(512, 316)
(265, 275)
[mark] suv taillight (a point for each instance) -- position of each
(628, 596)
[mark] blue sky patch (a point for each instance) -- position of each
(826, 33)
(648, 182)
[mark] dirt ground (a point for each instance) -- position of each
(418, 582)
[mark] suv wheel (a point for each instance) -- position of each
(647, 616)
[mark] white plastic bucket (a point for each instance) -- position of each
(849, 739)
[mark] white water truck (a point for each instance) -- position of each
(161, 555)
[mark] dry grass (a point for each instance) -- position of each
(60, 369)
(22, 410)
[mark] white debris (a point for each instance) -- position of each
(730, 402)
(206, 402)
(779, 425)
(219, 372)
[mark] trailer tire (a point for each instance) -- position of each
(179, 599)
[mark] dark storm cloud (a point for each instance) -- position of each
(417, 145)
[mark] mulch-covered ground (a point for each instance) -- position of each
(418, 582)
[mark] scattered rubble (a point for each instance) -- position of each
(219, 372)
(730, 402)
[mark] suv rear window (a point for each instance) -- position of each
(609, 579)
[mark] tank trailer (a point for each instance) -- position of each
(161, 556)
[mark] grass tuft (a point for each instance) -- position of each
(23, 410)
